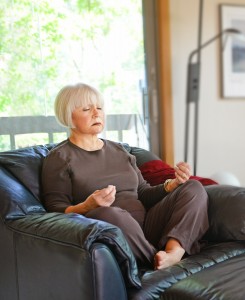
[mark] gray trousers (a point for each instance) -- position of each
(182, 214)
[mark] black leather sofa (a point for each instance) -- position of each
(69, 257)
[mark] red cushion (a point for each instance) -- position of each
(157, 171)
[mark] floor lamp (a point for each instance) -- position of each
(192, 92)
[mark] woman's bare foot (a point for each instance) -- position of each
(172, 254)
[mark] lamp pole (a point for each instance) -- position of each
(192, 92)
(198, 70)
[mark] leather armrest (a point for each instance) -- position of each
(226, 213)
(79, 231)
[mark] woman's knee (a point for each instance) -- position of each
(194, 184)
(195, 191)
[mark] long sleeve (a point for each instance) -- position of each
(56, 183)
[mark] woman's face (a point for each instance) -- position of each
(89, 119)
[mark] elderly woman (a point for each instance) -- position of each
(99, 179)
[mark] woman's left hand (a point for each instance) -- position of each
(182, 172)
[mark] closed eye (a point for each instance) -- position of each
(89, 108)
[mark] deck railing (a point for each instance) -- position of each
(14, 126)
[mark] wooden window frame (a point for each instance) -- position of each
(165, 82)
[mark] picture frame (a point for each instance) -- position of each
(232, 51)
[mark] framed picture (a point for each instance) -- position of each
(233, 51)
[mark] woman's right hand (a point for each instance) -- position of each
(104, 197)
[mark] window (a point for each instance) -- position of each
(48, 44)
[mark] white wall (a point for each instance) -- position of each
(221, 137)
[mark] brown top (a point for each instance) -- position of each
(70, 174)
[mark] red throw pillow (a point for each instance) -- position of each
(157, 171)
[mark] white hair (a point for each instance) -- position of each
(72, 96)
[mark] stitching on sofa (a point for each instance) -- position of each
(44, 238)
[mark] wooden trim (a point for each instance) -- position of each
(165, 90)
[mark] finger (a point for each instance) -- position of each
(106, 191)
(180, 180)
(184, 166)
(104, 200)
(183, 173)
(111, 191)
(108, 195)
(183, 169)
(182, 163)
(181, 177)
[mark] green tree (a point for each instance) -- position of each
(46, 44)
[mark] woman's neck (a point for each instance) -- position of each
(88, 143)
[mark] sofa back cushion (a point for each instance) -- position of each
(226, 213)
(20, 175)
(25, 164)
(15, 200)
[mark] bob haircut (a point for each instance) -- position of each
(72, 96)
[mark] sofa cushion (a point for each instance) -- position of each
(142, 156)
(222, 281)
(25, 164)
(156, 283)
(226, 213)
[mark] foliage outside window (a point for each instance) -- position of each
(48, 44)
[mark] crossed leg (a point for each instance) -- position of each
(176, 224)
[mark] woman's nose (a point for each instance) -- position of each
(95, 111)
